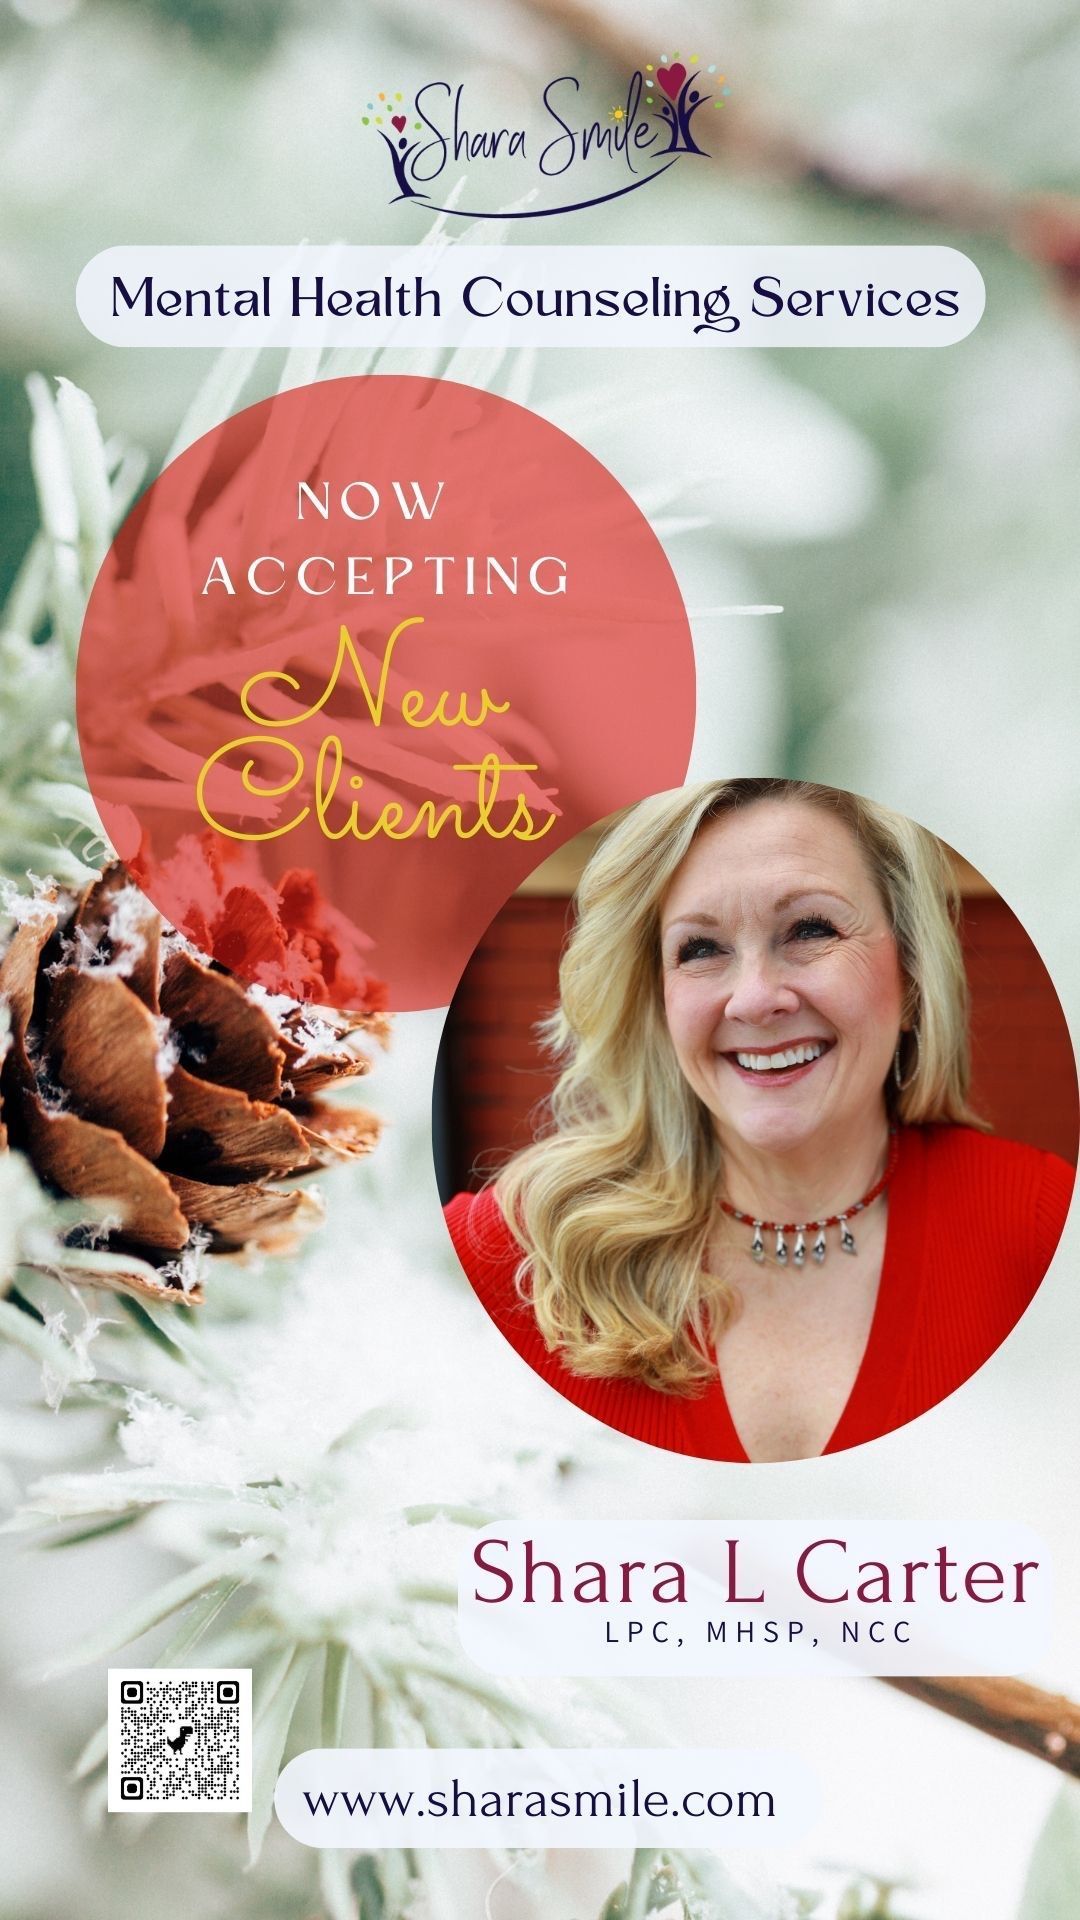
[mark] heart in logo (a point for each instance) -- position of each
(398, 121)
(671, 79)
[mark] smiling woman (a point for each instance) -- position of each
(764, 1223)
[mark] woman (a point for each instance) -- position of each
(766, 1224)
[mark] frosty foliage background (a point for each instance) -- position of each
(283, 1481)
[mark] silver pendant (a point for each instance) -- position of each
(781, 1248)
(847, 1238)
(757, 1244)
(798, 1252)
(819, 1244)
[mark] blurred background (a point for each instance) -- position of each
(915, 515)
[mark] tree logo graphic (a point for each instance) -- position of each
(677, 95)
(387, 110)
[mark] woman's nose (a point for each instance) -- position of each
(760, 991)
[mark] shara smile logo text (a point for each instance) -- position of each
(569, 159)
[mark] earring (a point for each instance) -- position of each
(902, 1085)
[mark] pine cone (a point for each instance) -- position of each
(141, 1075)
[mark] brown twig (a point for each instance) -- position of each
(1046, 1725)
(1044, 228)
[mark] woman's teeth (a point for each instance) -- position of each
(774, 1062)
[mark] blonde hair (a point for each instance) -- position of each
(613, 1204)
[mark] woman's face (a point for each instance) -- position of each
(782, 983)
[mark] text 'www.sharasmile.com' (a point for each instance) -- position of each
(568, 1796)
(628, 1800)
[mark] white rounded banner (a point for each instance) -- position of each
(546, 296)
(544, 1796)
(755, 1597)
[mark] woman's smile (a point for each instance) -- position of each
(777, 1065)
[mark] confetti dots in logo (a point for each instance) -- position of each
(397, 120)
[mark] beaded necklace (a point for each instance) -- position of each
(800, 1228)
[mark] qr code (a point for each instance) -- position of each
(179, 1739)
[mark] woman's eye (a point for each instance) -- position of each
(698, 946)
(813, 927)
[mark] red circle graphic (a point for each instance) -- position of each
(361, 658)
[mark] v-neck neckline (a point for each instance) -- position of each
(892, 1325)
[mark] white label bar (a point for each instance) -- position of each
(545, 1797)
(754, 1597)
(546, 296)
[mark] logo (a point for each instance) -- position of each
(578, 161)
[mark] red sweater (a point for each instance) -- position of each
(973, 1224)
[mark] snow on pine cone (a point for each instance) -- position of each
(146, 1079)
